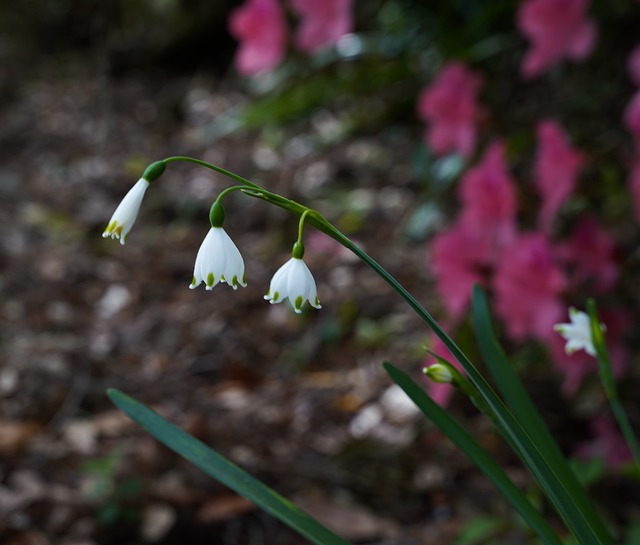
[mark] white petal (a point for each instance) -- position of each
(293, 281)
(278, 286)
(218, 259)
(126, 213)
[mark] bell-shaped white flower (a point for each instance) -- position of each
(218, 260)
(295, 281)
(125, 215)
(577, 333)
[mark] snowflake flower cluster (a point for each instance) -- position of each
(218, 260)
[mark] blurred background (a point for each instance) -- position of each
(352, 108)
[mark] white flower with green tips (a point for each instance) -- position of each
(218, 260)
(577, 333)
(293, 281)
(125, 215)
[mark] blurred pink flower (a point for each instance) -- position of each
(590, 255)
(557, 29)
(260, 27)
(527, 286)
(449, 107)
(633, 65)
(556, 167)
(488, 197)
(631, 117)
(440, 393)
(458, 259)
(608, 444)
(322, 23)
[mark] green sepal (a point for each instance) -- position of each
(216, 214)
(154, 171)
(298, 250)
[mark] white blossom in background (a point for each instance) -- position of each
(294, 281)
(125, 215)
(577, 333)
(218, 260)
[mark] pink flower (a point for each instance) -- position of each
(322, 23)
(527, 285)
(458, 260)
(557, 29)
(631, 117)
(556, 169)
(449, 107)
(488, 197)
(608, 444)
(590, 254)
(260, 27)
(633, 65)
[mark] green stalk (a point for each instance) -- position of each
(587, 530)
(609, 383)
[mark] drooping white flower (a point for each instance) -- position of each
(294, 281)
(577, 333)
(218, 260)
(125, 215)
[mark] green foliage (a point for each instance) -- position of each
(224, 471)
(479, 529)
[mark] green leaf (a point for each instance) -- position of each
(475, 452)
(479, 529)
(224, 471)
(575, 506)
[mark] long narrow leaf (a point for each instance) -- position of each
(476, 454)
(224, 471)
(524, 410)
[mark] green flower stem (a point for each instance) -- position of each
(609, 383)
(301, 224)
(225, 192)
(226, 173)
(580, 516)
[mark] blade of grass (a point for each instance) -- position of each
(520, 403)
(224, 471)
(475, 453)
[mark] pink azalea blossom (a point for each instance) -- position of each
(608, 444)
(259, 26)
(556, 29)
(633, 65)
(557, 166)
(322, 23)
(590, 255)
(458, 259)
(449, 107)
(528, 284)
(631, 117)
(488, 197)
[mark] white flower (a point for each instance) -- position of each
(578, 332)
(218, 260)
(125, 215)
(295, 281)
